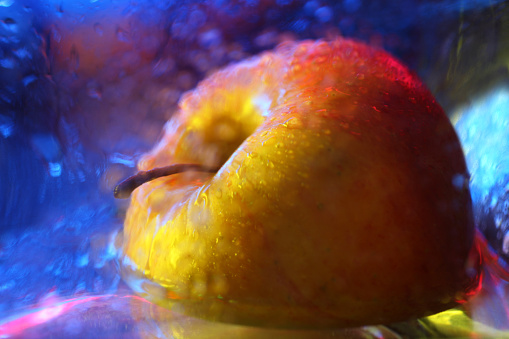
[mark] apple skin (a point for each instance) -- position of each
(342, 200)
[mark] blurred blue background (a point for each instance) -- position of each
(86, 86)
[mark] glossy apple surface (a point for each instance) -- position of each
(342, 199)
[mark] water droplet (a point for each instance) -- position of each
(293, 123)
(204, 199)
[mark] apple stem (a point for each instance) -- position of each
(124, 189)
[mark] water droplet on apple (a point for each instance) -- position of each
(204, 199)
(293, 123)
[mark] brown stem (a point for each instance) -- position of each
(124, 189)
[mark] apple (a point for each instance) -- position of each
(341, 196)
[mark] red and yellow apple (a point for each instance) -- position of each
(341, 199)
